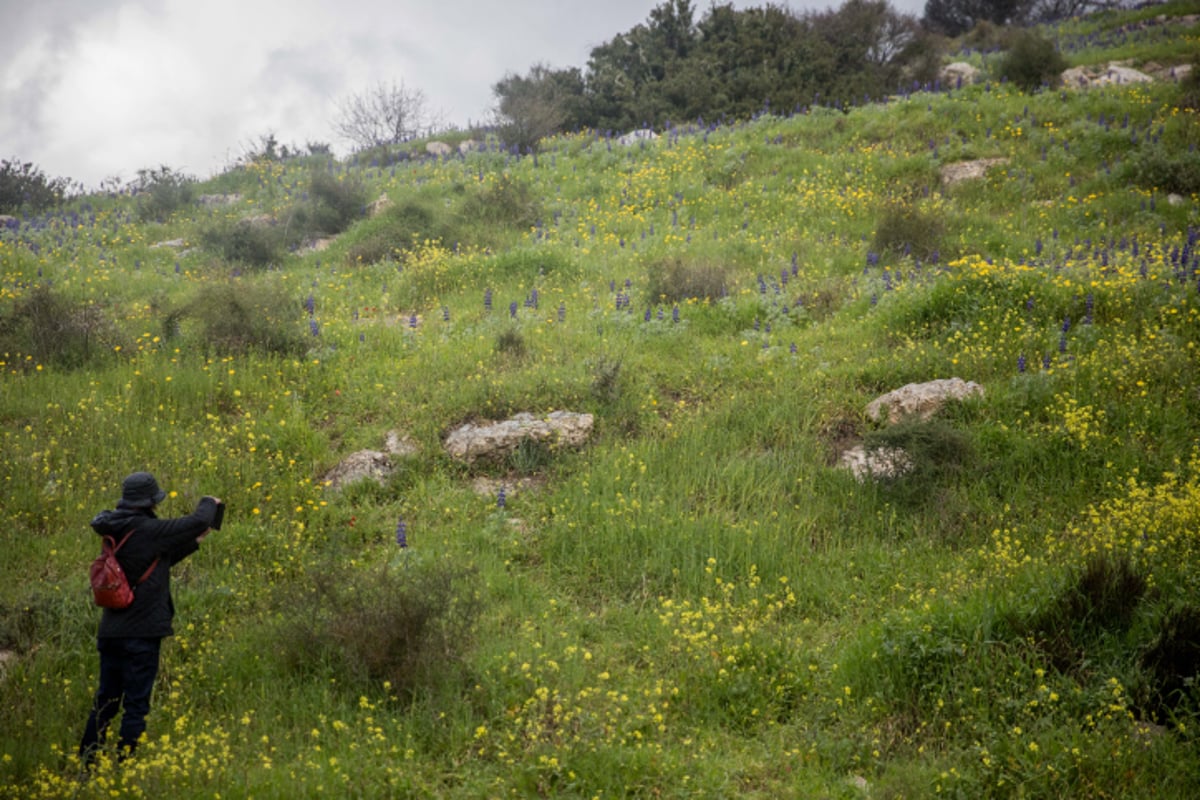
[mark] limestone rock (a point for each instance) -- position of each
(219, 199)
(381, 204)
(493, 441)
(969, 170)
(952, 74)
(921, 399)
(640, 135)
(1109, 75)
(469, 146)
(438, 149)
(363, 465)
(884, 462)
(398, 444)
(169, 243)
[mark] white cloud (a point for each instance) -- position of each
(93, 88)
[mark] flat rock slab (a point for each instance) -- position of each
(969, 170)
(471, 442)
(921, 399)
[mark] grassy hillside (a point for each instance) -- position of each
(699, 602)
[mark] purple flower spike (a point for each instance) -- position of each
(1021, 363)
(501, 498)
(402, 533)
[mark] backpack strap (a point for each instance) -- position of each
(119, 545)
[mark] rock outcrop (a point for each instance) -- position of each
(494, 441)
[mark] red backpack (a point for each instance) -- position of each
(110, 587)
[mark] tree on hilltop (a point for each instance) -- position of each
(385, 114)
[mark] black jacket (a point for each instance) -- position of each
(168, 540)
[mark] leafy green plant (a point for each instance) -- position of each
(161, 192)
(25, 187)
(1031, 62)
(395, 230)
(48, 328)
(507, 201)
(240, 317)
(249, 242)
(1162, 168)
(335, 201)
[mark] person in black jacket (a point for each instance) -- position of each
(129, 638)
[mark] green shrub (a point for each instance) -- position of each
(240, 317)
(395, 230)
(1162, 168)
(905, 229)
(409, 626)
(673, 281)
(1032, 61)
(48, 328)
(162, 192)
(250, 242)
(511, 343)
(506, 202)
(24, 187)
(334, 203)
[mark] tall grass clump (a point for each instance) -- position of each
(905, 229)
(674, 280)
(505, 201)
(239, 317)
(406, 627)
(44, 327)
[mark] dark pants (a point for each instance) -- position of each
(128, 668)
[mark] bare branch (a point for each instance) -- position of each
(384, 114)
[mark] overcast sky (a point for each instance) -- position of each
(93, 89)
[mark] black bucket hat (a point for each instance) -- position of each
(140, 490)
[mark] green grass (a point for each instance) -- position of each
(697, 603)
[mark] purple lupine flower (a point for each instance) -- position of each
(501, 498)
(310, 304)
(675, 314)
(512, 309)
(1021, 363)
(1066, 326)
(402, 533)
(412, 321)
(314, 328)
(1062, 343)
(445, 313)
(562, 312)
(1045, 361)
(487, 299)
(1091, 304)
(793, 348)
(646, 318)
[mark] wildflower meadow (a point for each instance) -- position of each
(698, 602)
